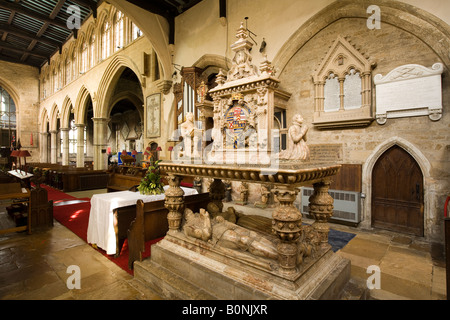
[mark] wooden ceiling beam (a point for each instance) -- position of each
(7, 46)
(28, 35)
(19, 9)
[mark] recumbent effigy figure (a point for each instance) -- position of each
(220, 229)
(223, 233)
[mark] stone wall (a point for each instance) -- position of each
(22, 83)
(389, 47)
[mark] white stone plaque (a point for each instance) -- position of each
(409, 90)
(331, 92)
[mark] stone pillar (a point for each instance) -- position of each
(54, 146)
(44, 147)
(80, 145)
(65, 146)
(321, 208)
(99, 143)
(174, 203)
(286, 224)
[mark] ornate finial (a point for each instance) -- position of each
(241, 33)
(220, 78)
(266, 67)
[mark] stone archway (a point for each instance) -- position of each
(102, 103)
(367, 180)
(429, 29)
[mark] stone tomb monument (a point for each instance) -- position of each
(217, 254)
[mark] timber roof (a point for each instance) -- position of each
(31, 31)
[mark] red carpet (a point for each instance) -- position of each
(75, 217)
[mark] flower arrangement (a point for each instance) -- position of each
(151, 183)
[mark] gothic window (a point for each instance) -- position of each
(7, 110)
(136, 32)
(118, 31)
(73, 139)
(106, 40)
(342, 85)
(74, 65)
(60, 77)
(55, 80)
(68, 71)
(84, 57)
(92, 51)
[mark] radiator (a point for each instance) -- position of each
(93, 181)
(347, 204)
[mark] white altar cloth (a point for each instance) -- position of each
(101, 220)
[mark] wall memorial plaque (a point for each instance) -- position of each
(409, 90)
(325, 152)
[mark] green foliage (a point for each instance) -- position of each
(151, 183)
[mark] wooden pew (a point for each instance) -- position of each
(150, 223)
(122, 182)
(123, 177)
(71, 178)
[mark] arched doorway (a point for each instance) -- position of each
(397, 193)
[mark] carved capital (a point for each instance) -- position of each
(164, 86)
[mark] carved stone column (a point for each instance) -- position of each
(286, 224)
(174, 202)
(80, 145)
(100, 127)
(321, 208)
(217, 192)
(44, 147)
(54, 146)
(65, 146)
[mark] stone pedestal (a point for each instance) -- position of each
(175, 271)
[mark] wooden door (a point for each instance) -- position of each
(397, 193)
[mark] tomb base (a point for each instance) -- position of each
(180, 269)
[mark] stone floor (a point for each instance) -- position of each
(36, 267)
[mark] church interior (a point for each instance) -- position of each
(224, 149)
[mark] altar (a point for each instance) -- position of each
(101, 227)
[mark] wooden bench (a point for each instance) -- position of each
(149, 222)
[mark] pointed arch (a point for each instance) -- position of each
(81, 105)
(11, 91)
(424, 165)
(65, 112)
(44, 120)
(135, 99)
(156, 30)
(109, 80)
(431, 30)
(53, 116)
